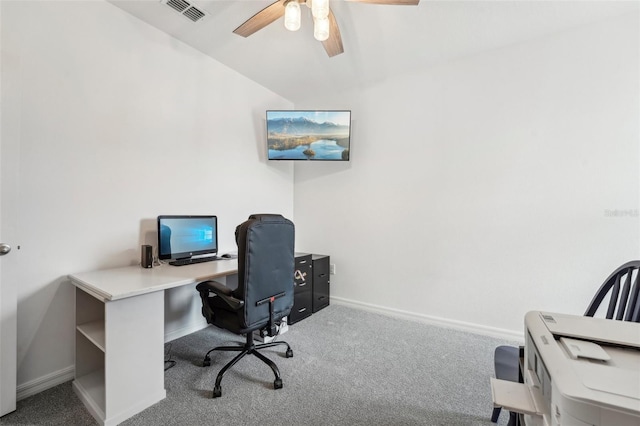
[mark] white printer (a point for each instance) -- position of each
(578, 371)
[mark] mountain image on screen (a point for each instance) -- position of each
(303, 126)
(308, 135)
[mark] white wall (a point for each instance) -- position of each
(486, 187)
(120, 123)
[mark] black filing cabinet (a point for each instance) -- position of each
(303, 288)
(320, 269)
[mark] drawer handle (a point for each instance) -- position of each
(321, 297)
(303, 261)
(322, 275)
(301, 310)
(302, 284)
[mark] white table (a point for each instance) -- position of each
(120, 334)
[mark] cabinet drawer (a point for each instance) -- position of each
(300, 286)
(302, 306)
(320, 295)
(320, 301)
(302, 259)
(321, 267)
(303, 276)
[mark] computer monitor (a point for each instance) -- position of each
(183, 237)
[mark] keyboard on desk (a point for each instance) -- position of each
(182, 262)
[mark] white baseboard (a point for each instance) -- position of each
(192, 327)
(428, 319)
(66, 374)
(45, 382)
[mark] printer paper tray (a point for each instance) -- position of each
(516, 397)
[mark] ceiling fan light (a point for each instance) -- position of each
(320, 8)
(321, 29)
(292, 16)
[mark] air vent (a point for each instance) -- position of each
(179, 5)
(194, 14)
(186, 9)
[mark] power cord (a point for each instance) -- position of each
(168, 362)
(279, 326)
(156, 259)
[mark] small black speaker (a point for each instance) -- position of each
(146, 256)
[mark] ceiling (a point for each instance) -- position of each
(380, 41)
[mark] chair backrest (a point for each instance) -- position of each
(623, 290)
(266, 263)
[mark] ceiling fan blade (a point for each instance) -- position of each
(261, 19)
(333, 45)
(391, 2)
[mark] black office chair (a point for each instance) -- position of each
(626, 303)
(623, 305)
(265, 290)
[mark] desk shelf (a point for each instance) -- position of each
(120, 332)
(90, 353)
(94, 331)
(92, 387)
(111, 380)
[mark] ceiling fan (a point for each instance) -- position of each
(325, 26)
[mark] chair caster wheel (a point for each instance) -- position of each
(277, 384)
(289, 353)
(217, 392)
(206, 362)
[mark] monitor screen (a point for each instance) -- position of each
(182, 237)
(308, 135)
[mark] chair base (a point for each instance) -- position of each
(249, 348)
(513, 417)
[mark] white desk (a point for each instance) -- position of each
(120, 334)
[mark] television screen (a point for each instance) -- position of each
(181, 237)
(308, 135)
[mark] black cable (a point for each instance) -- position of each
(168, 362)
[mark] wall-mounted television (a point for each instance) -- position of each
(319, 135)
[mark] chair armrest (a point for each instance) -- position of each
(224, 292)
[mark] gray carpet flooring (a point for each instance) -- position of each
(350, 367)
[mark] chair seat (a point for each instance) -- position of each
(506, 367)
(506, 363)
